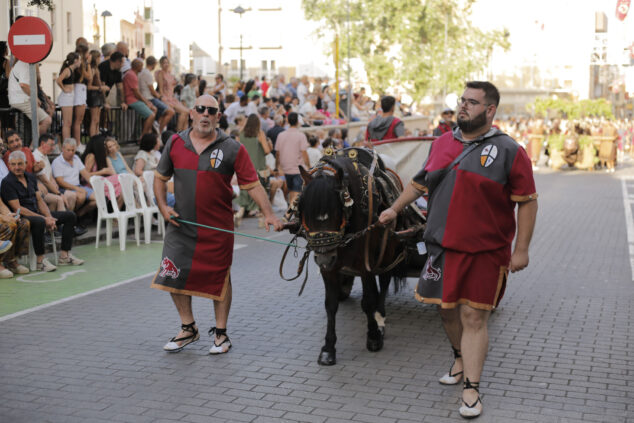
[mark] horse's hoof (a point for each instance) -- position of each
(374, 345)
(382, 331)
(327, 358)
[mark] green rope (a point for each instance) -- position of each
(178, 219)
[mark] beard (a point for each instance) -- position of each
(206, 129)
(472, 125)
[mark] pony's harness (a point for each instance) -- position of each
(357, 170)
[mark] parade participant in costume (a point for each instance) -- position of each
(197, 261)
(387, 126)
(475, 175)
(446, 124)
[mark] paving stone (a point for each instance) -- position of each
(560, 343)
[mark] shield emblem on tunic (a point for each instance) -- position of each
(215, 158)
(488, 155)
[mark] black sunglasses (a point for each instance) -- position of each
(211, 110)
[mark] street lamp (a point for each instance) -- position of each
(105, 14)
(240, 10)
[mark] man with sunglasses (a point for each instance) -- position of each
(196, 261)
(476, 175)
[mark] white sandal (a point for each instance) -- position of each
(449, 378)
(224, 346)
(173, 347)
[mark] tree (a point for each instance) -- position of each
(402, 42)
(42, 4)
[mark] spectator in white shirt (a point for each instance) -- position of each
(309, 111)
(55, 200)
(20, 92)
(239, 107)
(67, 168)
(303, 89)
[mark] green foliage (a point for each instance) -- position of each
(570, 108)
(402, 42)
(42, 4)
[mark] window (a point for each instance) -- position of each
(148, 38)
(234, 65)
(69, 29)
(147, 13)
(264, 65)
(244, 64)
(272, 65)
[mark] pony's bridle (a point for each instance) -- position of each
(325, 241)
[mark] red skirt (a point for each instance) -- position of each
(454, 277)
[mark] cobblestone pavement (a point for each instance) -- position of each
(560, 351)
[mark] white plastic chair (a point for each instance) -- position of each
(148, 177)
(133, 188)
(99, 186)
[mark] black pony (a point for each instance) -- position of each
(337, 213)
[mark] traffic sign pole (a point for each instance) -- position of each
(31, 41)
(35, 128)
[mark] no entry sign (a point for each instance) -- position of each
(30, 39)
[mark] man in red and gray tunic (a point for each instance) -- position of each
(197, 261)
(476, 175)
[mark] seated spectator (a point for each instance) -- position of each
(220, 87)
(164, 113)
(135, 100)
(67, 169)
(115, 158)
(167, 88)
(20, 92)
(14, 242)
(95, 159)
(53, 196)
(236, 108)
(145, 159)
(19, 191)
(309, 111)
(14, 142)
(188, 94)
(278, 127)
(4, 170)
(266, 122)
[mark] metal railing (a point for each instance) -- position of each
(125, 126)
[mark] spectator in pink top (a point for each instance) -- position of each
(290, 153)
(134, 99)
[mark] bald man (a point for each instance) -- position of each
(134, 99)
(122, 47)
(197, 261)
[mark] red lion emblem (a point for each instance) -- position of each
(168, 268)
(431, 272)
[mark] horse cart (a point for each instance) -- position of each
(337, 213)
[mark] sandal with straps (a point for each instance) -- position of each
(452, 378)
(224, 346)
(470, 411)
(173, 346)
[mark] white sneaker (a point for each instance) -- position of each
(70, 260)
(19, 269)
(46, 266)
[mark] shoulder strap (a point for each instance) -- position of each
(464, 154)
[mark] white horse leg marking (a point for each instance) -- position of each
(380, 320)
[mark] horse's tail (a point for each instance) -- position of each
(399, 276)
